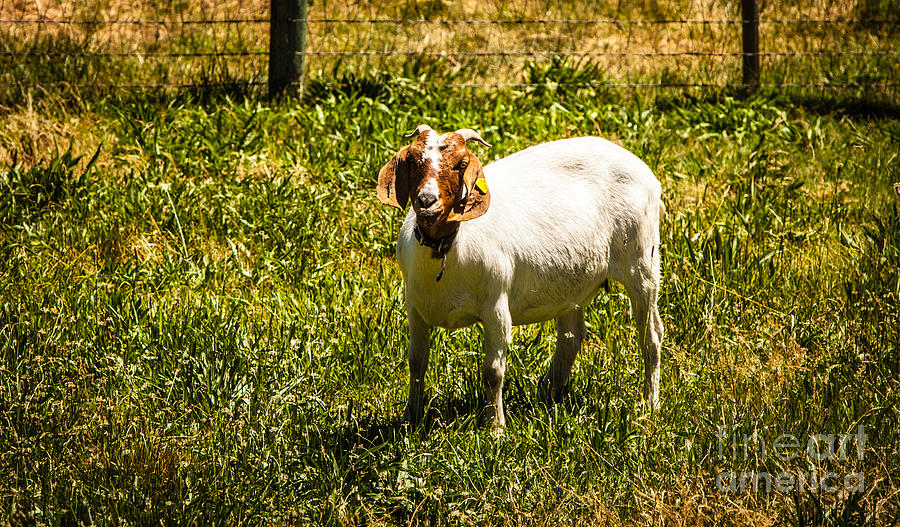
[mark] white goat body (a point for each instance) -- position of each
(564, 217)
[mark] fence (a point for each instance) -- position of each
(274, 51)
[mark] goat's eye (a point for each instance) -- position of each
(461, 165)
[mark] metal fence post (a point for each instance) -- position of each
(287, 44)
(750, 26)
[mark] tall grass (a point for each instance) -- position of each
(201, 317)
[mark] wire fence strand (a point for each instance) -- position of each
(887, 81)
(609, 21)
(415, 21)
(134, 54)
(631, 85)
(138, 85)
(451, 54)
(478, 85)
(136, 22)
(477, 54)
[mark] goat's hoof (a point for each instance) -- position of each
(548, 394)
(652, 404)
(543, 391)
(493, 418)
(497, 425)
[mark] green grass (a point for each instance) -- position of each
(201, 317)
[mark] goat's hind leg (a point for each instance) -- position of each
(569, 336)
(643, 288)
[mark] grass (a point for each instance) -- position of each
(201, 319)
(201, 315)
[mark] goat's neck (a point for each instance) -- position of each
(440, 245)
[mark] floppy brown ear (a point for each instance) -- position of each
(393, 181)
(478, 196)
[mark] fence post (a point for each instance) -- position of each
(750, 26)
(287, 44)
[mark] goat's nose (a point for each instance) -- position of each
(426, 200)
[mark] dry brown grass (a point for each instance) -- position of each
(122, 36)
(439, 38)
(35, 130)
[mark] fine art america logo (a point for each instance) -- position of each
(818, 449)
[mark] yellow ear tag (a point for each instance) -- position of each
(481, 185)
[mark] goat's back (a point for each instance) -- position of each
(557, 173)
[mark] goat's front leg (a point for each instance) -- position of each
(497, 338)
(418, 363)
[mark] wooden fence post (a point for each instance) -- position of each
(287, 44)
(750, 26)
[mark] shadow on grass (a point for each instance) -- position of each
(853, 107)
(521, 400)
(869, 105)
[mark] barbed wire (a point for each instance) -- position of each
(134, 54)
(513, 85)
(513, 54)
(883, 84)
(609, 21)
(134, 22)
(110, 85)
(664, 85)
(629, 85)
(415, 21)
(450, 54)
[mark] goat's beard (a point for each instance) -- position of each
(437, 226)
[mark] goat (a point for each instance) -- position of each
(528, 238)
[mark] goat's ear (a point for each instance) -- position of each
(478, 197)
(393, 181)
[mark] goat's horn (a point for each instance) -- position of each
(419, 130)
(471, 135)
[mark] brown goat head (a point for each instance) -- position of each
(441, 177)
